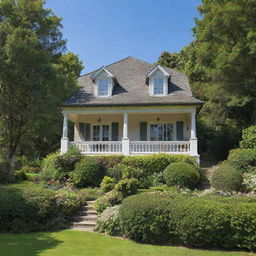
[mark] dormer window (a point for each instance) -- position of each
(103, 87)
(158, 81)
(103, 83)
(158, 85)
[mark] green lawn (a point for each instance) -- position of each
(79, 243)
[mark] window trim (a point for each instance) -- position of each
(101, 124)
(153, 86)
(157, 123)
(98, 87)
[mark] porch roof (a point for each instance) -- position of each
(131, 88)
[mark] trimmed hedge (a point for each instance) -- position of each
(107, 184)
(242, 159)
(26, 208)
(87, 173)
(182, 174)
(191, 221)
(226, 178)
(155, 163)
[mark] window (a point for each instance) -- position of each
(100, 133)
(161, 132)
(103, 87)
(158, 86)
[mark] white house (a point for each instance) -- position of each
(132, 107)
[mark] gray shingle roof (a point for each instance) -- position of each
(131, 88)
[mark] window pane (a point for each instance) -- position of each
(161, 132)
(105, 132)
(103, 87)
(153, 132)
(158, 86)
(96, 133)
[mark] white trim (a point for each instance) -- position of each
(100, 124)
(158, 67)
(93, 76)
(161, 122)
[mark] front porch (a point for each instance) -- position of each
(137, 131)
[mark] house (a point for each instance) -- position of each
(132, 107)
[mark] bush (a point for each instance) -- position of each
(48, 166)
(155, 163)
(182, 174)
(249, 180)
(242, 159)
(249, 137)
(144, 218)
(127, 186)
(213, 222)
(107, 184)
(90, 194)
(109, 199)
(27, 207)
(87, 173)
(226, 178)
(108, 222)
(107, 162)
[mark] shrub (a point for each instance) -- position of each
(249, 180)
(204, 222)
(249, 137)
(107, 162)
(20, 175)
(48, 166)
(87, 173)
(109, 199)
(227, 178)
(156, 162)
(127, 186)
(144, 218)
(242, 159)
(27, 207)
(182, 174)
(108, 222)
(107, 184)
(89, 194)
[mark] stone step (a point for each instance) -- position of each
(87, 208)
(84, 224)
(86, 217)
(90, 202)
(86, 213)
(88, 229)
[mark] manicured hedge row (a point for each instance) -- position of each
(30, 208)
(192, 221)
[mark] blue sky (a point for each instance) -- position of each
(104, 31)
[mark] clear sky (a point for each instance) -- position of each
(104, 31)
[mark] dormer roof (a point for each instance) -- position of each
(155, 69)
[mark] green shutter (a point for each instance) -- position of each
(179, 130)
(85, 131)
(143, 131)
(114, 133)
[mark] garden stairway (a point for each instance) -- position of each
(86, 218)
(208, 167)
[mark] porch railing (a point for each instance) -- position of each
(159, 146)
(97, 147)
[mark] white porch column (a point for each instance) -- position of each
(125, 139)
(64, 139)
(193, 138)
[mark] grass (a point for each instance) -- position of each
(79, 243)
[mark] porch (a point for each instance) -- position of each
(133, 131)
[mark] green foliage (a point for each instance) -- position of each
(27, 207)
(108, 222)
(144, 218)
(249, 180)
(155, 163)
(242, 159)
(205, 222)
(249, 137)
(127, 187)
(227, 178)
(48, 166)
(107, 162)
(87, 173)
(109, 199)
(182, 174)
(107, 184)
(90, 194)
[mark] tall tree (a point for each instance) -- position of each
(34, 74)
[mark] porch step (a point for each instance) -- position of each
(86, 218)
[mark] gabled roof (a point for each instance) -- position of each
(158, 67)
(102, 69)
(131, 88)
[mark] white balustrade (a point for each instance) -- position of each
(97, 147)
(144, 147)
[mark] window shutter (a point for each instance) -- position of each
(114, 133)
(143, 131)
(85, 131)
(179, 130)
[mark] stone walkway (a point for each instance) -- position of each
(86, 218)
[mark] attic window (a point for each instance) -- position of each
(103, 87)
(158, 86)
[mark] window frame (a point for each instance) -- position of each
(101, 131)
(104, 89)
(162, 123)
(155, 85)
